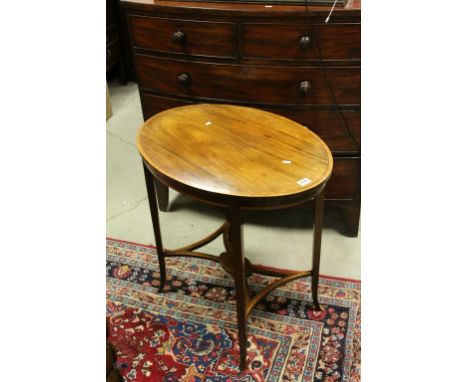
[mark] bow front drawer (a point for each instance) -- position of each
(198, 38)
(300, 42)
(261, 84)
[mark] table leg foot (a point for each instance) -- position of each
(242, 346)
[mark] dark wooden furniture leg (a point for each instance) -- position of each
(317, 246)
(352, 214)
(162, 191)
(237, 253)
(150, 189)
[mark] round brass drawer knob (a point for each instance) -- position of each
(179, 37)
(305, 88)
(184, 79)
(305, 42)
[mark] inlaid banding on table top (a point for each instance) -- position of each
(234, 150)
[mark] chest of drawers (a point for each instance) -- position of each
(277, 58)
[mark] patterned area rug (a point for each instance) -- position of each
(189, 332)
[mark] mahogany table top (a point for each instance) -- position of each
(233, 152)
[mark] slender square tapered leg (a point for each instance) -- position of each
(317, 247)
(150, 189)
(237, 253)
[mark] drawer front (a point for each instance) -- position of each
(345, 182)
(293, 42)
(325, 123)
(152, 104)
(213, 39)
(290, 85)
(329, 125)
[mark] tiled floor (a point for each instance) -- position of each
(281, 239)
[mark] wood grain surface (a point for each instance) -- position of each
(282, 41)
(264, 84)
(234, 151)
(214, 39)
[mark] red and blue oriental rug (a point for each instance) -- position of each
(188, 333)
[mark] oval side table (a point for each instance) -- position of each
(236, 158)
